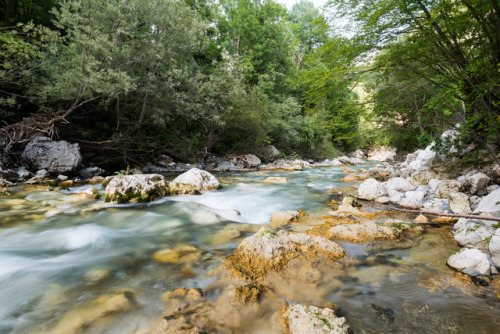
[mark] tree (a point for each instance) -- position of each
(452, 45)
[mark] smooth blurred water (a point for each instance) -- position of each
(50, 245)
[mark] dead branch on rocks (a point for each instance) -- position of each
(440, 214)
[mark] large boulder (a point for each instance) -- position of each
(300, 319)
(371, 189)
(140, 188)
(251, 160)
(490, 203)
(194, 181)
(423, 159)
(470, 258)
(267, 251)
(58, 157)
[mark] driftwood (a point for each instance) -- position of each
(440, 214)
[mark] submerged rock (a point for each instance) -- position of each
(268, 251)
(81, 318)
(282, 218)
(140, 187)
(194, 181)
(58, 157)
(178, 254)
(301, 319)
(276, 180)
(371, 231)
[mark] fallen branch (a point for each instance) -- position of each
(441, 214)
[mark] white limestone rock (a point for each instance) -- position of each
(470, 258)
(371, 189)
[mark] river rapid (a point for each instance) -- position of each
(59, 254)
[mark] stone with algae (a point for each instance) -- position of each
(139, 188)
(299, 319)
(269, 251)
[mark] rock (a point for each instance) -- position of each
(271, 153)
(178, 254)
(251, 160)
(23, 173)
(356, 161)
(57, 157)
(382, 154)
(477, 182)
(90, 193)
(492, 188)
(371, 189)
(355, 177)
(472, 232)
(413, 199)
(360, 154)
(447, 187)
(470, 258)
(194, 181)
(398, 184)
(81, 318)
(89, 172)
(422, 178)
(8, 174)
(494, 248)
(489, 203)
(421, 219)
(370, 231)
(286, 165)
(434, 183)
(268, 251)
(139, 187)
(301, 319)
(397, 197)
(62, 178)
(165, 161)
(247, 294)
(276, 180)
(423, 160)
(96, 180)
(437, 205)
(383, 200)
(5, 183)
(347, 170)
(345, 160)
(282, 218)
(40, 176)
(328, 163)
(459, 203)
(67, 183)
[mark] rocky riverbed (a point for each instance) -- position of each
(292, 246)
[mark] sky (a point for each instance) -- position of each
(289, 3)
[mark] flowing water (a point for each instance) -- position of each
(58, 254)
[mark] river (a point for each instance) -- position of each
(57, 254)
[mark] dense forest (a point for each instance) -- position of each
(132, 79)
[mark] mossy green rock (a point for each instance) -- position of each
(136, 188)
